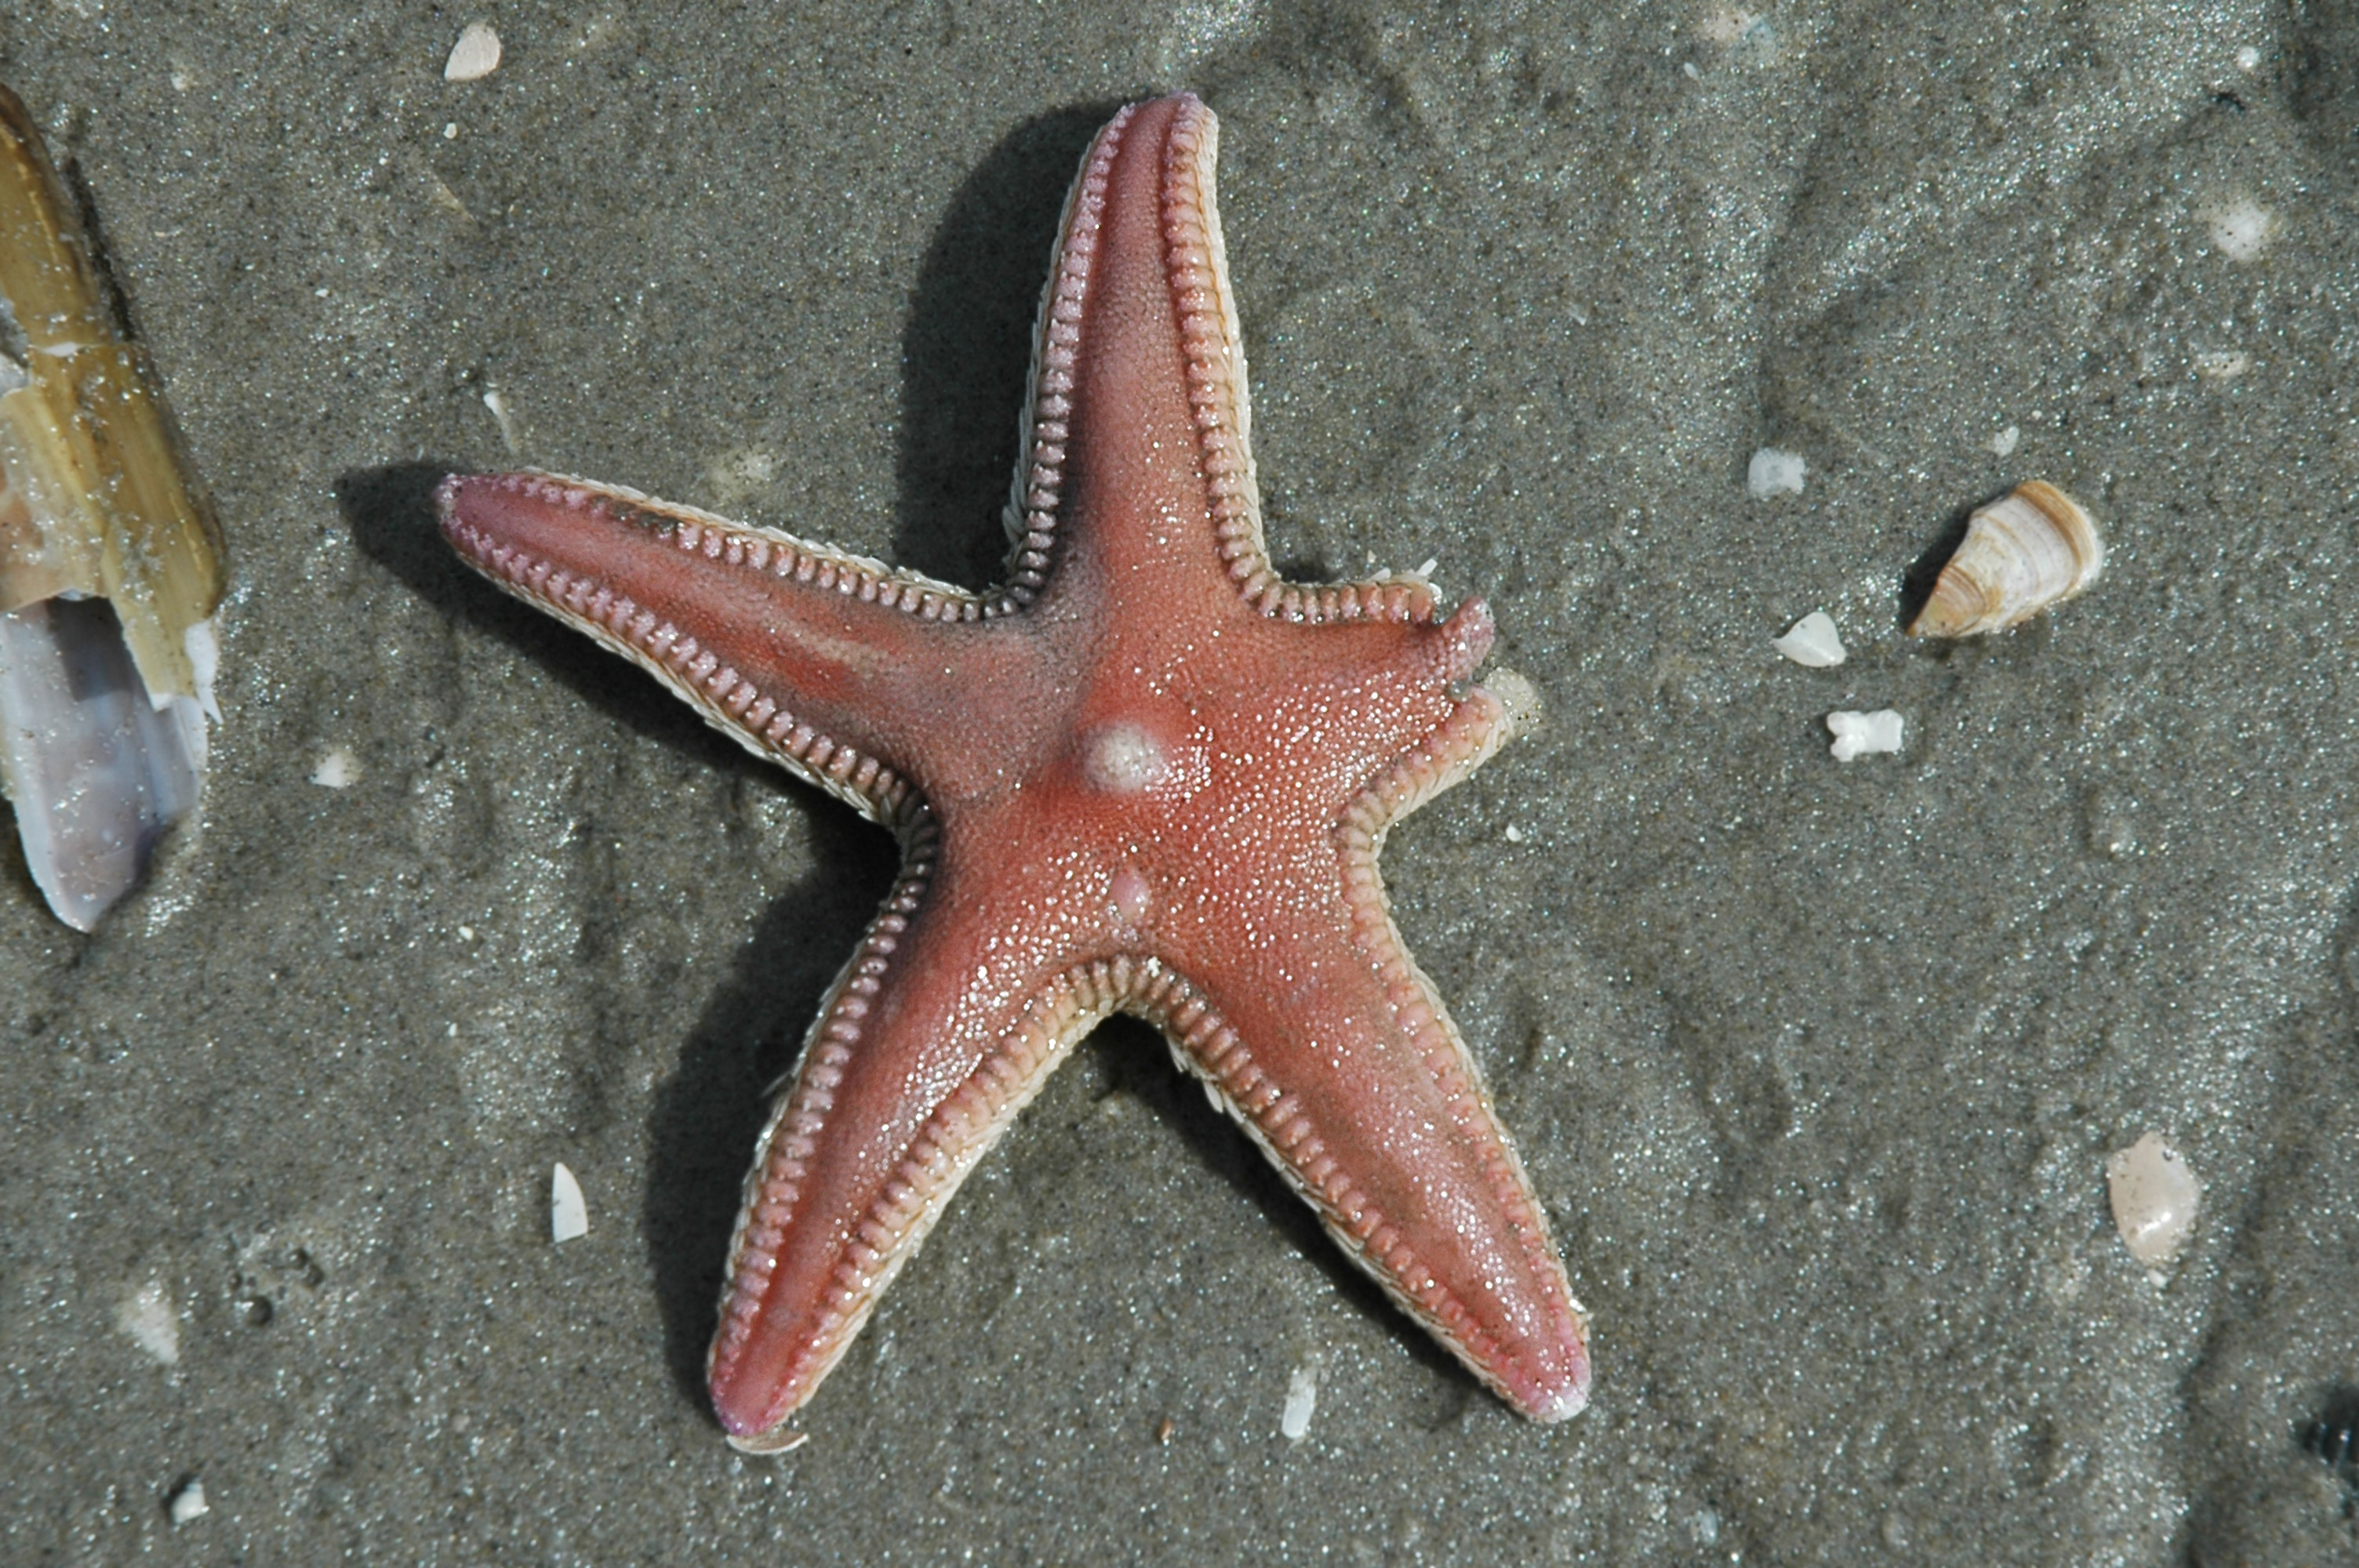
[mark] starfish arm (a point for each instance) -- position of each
(941, 1028)
(1331, 1047)
(827, 663)
(1141, 423)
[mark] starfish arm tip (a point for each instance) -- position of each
(1456, 648)
(1548, 1380)
(779, 1439)
(1562, 1403)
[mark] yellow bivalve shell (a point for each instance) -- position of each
(98, 501)
(2032, 548)
(110, 562)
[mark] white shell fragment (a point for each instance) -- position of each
(1302, 1399)
(1857, 734)
(475, 56)
(1773, 472)
(568, 1215)
(110, 563)
(148, 1319)
(1812, 641)
(337, 769)
(2240, 227)
(2032, 548)
(2155, 1199)
(496, 401)
(188, 1503)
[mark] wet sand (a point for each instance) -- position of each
(1816, 1064)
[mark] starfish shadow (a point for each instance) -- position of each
(708, 1114)
(390, 512)
(1128, 1055)
(967, 351)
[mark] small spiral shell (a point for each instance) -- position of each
(2030, 548)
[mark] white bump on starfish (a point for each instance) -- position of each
(1123, 759)
(1130, 896)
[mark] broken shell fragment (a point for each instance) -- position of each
(1773, 472)
(2155, 1199)
(1301, 1400)
(2032, 548)
(1859, 734)
(110, 564)
(1812, 641)
(188, 1503)
(475, 56)
(568, 1213)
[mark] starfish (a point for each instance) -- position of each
(1146, 776)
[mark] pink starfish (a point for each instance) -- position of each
(1146, 776)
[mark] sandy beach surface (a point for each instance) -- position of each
(1817, 1066)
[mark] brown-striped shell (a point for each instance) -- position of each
(2032, 548)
